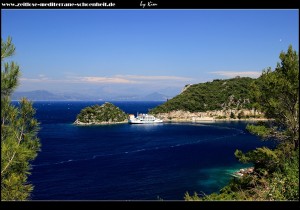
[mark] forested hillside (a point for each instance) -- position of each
(216, 95)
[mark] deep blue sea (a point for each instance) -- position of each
(132, 162)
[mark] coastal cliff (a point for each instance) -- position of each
(98, 115)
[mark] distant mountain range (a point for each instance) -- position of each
(43, 95)
(155, 97)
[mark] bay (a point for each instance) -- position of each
(132, 162)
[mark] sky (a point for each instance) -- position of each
(141, 51)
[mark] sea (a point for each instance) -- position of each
(133, 161)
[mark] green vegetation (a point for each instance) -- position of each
(19, 142)
(241, 115)
(277, 95)
(221, 117)
(232, 115)
(216, 95)
(276, 171)
(106, 113)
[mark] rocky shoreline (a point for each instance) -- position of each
(77, 122)
(243, 171)
(210, 116)
(213, 120)
(183, 116)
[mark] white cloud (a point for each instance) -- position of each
(253, 74)
(117, 79)
(111, 80)
(143, 77)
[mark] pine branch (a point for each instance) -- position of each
(13, 156)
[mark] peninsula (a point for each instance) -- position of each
(227, 99)
(101, 115)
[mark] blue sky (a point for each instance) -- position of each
(143, 51)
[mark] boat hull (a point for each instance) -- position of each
(144, 122)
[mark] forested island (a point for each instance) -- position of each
(104, 114)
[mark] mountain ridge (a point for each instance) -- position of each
(43, 95)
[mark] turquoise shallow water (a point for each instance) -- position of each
(132, 162)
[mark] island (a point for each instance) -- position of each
(101, 115)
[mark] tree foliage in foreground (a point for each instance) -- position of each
(19, 142)
(277, 94)
(276, 171)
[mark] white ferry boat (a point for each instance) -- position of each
(143, 119)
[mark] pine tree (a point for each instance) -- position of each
(19, 128)
(277, 93)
